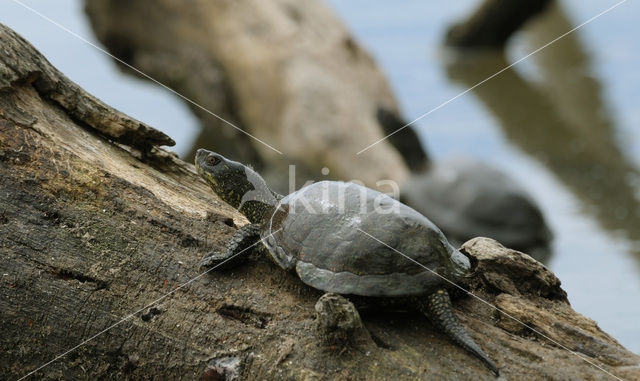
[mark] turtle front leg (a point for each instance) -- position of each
(233, 256)
(439, 310)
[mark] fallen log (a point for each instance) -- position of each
(288, 73)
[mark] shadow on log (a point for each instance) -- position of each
(90, 234)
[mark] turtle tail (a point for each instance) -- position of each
(438, 308)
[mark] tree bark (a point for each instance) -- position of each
(94, 236)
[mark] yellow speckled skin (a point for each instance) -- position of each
(439, 310)
(237, 185)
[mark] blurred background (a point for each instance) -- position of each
(543, 157)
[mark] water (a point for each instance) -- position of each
(572, 145)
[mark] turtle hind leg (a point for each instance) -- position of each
(439, 310)
(234, 254)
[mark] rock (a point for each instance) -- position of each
(466, 198)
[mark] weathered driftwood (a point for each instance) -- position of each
(90, 233)
(23, 63)
(286, 71)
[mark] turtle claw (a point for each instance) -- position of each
(211, 259)
(215, 260)
(244, 239)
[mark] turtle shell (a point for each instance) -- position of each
(349, 239)
(467, 199)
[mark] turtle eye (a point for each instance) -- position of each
(212, 160)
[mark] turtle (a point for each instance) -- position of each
(343, 238)
(467, 198)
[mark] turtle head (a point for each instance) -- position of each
(236, 184)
